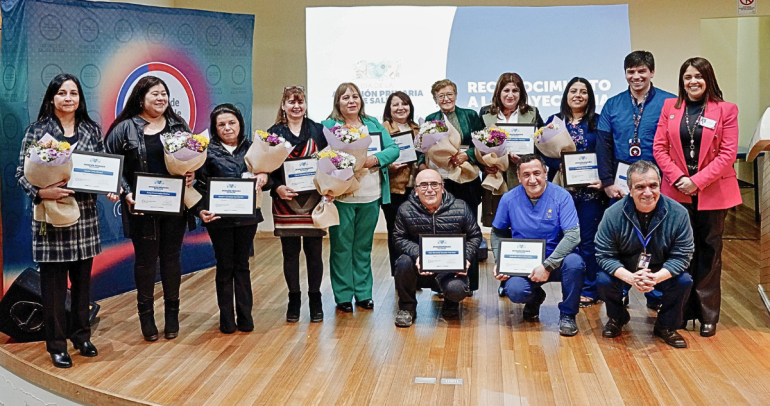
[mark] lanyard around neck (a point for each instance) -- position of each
(638, 111)
(643, 240)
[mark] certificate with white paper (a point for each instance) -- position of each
(298, 174)
(518, 257)
(621, 175)
(521, 138)
(376, 145)
(159, 194)
(405, 142)
(442, 253)
(94, 172)
(580, 168)
(232, 197)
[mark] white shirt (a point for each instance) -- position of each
(514, 119)
(229, 148)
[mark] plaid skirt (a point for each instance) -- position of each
(76, 242)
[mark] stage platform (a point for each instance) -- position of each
(362, 358)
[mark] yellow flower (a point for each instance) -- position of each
(327, 154)
(262, 134)
(201, 139)
(63, 146)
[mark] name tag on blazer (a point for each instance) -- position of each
(707, 122)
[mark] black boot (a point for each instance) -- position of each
(171, 330)
(295, 304)
(316, 307)
(147, 320)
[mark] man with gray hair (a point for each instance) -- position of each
(645, 241)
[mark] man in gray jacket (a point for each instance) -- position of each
(645, 241)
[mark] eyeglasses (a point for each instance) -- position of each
(300, 88)
(445, 96)
(433, 185)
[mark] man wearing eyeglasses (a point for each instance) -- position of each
(431, 210)
(539, 210)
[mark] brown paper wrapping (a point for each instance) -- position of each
(59, 213)
(495, 183)
(264, 158)
(441, 152)
(325, 213)
(179, 168)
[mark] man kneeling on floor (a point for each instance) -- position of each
(645, 241)
(431, 210)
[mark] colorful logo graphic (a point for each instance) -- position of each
(182, 98)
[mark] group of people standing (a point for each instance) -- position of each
(692, 137)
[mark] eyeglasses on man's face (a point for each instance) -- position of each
(433, 185)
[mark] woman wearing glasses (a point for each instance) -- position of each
(350, 262)
(466, 121)
(292, 211)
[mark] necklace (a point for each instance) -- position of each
(691, 130)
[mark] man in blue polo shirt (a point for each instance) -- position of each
(538, 209)
(627, 128)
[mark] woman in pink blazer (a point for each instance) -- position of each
(695, 147)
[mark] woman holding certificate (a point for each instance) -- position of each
(578, 111)
(232, 237)
(63, 125)
(695, 147)
(398, 119)
(350, 262)
(294, 203)
(136, 134)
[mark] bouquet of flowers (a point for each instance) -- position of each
(490, 151)
(440, 141)
(48, 162)
(185, 152)
(552, 140)
(334, 176)
(351, 140)
(266, 154)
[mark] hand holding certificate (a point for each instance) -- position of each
(405, 142)
(95, 173)
(620, 177)
(299, 174)
(442, 253)
(232, 197)
(159, 194)
(518, 257)
(580, 168)
(521, 138)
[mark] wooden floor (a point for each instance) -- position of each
(362, 358)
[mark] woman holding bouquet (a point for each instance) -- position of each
(350, 262)
(60, 251)
(578, 111)
(292, 211)
(397, 118)
(136, 134)
(233, 237)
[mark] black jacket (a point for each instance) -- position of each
(454, 216)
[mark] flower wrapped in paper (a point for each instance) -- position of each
(335, 177)
(185, 152)
(440, 141)
(352, 141)
(490, 151)
(266, 154)
(49, 162)
(552, 140)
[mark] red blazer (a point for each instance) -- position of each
(716, 179)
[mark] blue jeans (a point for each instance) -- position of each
(590, 214)
(571, 274)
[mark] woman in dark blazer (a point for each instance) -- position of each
(695, 147)
(233, 237)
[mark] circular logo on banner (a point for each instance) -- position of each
(239, 75)
(49, 72)
(181, 99)
(185, 34)
(239, 37)
(9, 77)
(89, 30)
(155, 33)
(213, 35)
(50, 27)
(123, 31)
(11, 127)
(90, 76)
(213, 74)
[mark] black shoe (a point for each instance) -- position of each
(61, 360)
(625, 299)
(567, 325)
(87, 349)
(147, 320)
(316, 307)
(171, 329)
(405, 318)
(346, 307)
(654, 306)
(501, 290)
(450, 310)
(246, 328)
(614, 327)
(670, 337)
(295, 304)
(367, 304)
(708, 329)
(226, 329)
(532, 310)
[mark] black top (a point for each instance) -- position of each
(72, 140)
(155, 161)
(644, 220)
(693, 110)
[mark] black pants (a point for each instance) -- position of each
(454, 287)
(470, 193)
(232, 248)
(53, 288)
(708, 226)
(390, 211)
(313, 247)
(167, 248)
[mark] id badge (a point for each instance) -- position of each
(634, 148)
(644, 261)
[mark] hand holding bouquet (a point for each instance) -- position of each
(266, 154)
(350, 140)
(552, 140)
(439, 141)
(48, 162)
(334, 177)
(490, 150)
(185, 152)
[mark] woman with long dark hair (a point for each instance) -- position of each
(136, 134)
(63, 251)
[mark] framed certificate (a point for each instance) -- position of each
(442, 253)
(518, 257)
(94, 172)
(621, 176)
(376, 145)
(298, 174)
(580, 168)
(405, 142)
(232, 197)
(521, 137)
(159, 194)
